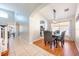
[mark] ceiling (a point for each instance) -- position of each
(22, 11)
(26, 9)
(48, 13)
(21, 8)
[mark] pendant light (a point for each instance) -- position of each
(54, 15)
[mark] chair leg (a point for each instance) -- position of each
(62, 43)
(50, 44)
(45, 43)
(55, 43)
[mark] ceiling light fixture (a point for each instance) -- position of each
(67, 9)
(54, 15)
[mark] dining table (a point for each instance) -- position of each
(56, 38)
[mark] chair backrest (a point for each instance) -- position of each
(57, 32)
(63, 35)
(47, 35)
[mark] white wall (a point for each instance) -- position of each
(49, 25)
(35, 27)
(72, 28)
(24, 32)
(77, 29)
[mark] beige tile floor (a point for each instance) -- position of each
(19, 47)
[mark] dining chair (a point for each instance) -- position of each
(48, 38)
(61, 38)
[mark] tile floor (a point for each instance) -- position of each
(19, 47)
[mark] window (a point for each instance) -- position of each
(63, 26)
(3, 14)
